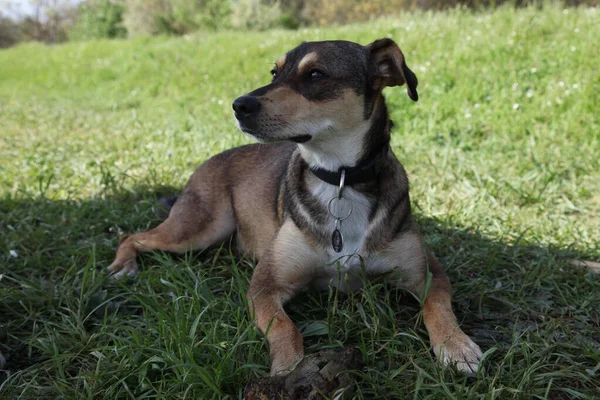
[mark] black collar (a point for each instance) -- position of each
(364, 172)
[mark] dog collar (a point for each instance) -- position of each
(361, 173)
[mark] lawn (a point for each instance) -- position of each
(503, 153)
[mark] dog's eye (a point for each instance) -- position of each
(315, 73)
(274, 73)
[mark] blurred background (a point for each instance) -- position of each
(54, 21)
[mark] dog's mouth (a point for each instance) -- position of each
(265, 138)
(254, 132)
(300, 138)
(248, 127)
(251, 128)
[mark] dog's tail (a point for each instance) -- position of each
(165, 204)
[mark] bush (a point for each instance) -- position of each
(175, 17)
(324, 12)
(216, 14)
(289, 21)
(255, 14)
(9, 32)
(143, 16)
(99, 19)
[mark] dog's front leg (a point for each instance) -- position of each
(284, 269)
(450, 344)
(285, 341)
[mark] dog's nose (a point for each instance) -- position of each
(246, 105)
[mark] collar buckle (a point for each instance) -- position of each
(342, 182)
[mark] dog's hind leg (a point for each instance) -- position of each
(200, 218)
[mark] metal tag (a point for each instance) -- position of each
(337, 242)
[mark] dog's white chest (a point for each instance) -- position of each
(353, 213)
(351, 260)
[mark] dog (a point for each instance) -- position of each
(320, 199)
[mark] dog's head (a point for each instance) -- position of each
(322, 89)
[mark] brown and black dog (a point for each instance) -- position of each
(328, 199)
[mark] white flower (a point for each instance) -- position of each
(13, 254)
(533, 70)
(516, 106)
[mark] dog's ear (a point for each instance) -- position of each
(389, 67)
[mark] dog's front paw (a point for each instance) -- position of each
(121, 268)
(459, 350)
(282, 366)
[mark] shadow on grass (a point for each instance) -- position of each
(509, 295)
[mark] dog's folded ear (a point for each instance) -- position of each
(389, 67)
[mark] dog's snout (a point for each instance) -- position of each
(245, 106)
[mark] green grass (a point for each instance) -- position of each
(503, 152)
